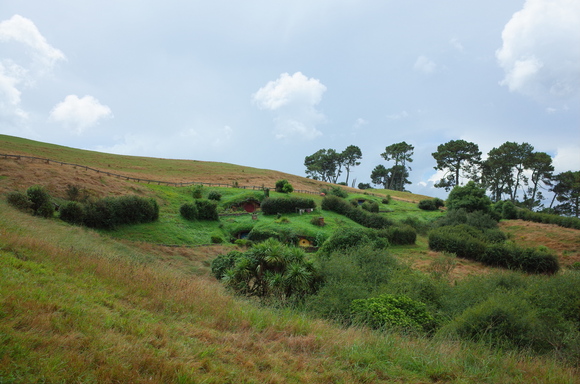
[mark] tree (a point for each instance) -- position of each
(567, 191)
(469, 197)
(540, 165)
(380, 176)
(400, 153)
(504, 168)
(350, 157)
(324, 165)
(459, 159)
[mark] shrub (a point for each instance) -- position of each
(459, 239)
(214, 195)
(469, 197)
(216, 238)
(364, 186)
(530, 260)
(72, 212)
(19, 201)
(508, 211)
(206, 210)
(370, 206)
(338, 191)
(352, 237)
(224, 262)
(476, 219)
(283, 186)
(40, 199)
(393, 311)
(427, 205)
(100, 214)
(110, 212)
(336, 204)
(400, 234)
(364, 218)
(188, 211)
(197, 192)
(273, 206)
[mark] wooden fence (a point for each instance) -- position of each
(141, 180)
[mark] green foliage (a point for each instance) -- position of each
(370, 206)
(197, 191)
(399, 234)
(353, 273)
(72, 212)
(501, 321)
(352, 237)
(188, 211)
(546, 218)
(459, 158)
(476, 219)
(41, 201)
(214, 195)
(268, 270)
(386, 200)
(364, 186)
(364, 218)
(273, 205)
(530, 260)
(206, 210)
(108, 213)
(393, 311)
(283, 186)
(19, 201)
(336, 191)
(462, 240)
(469, 197)
(430, 204)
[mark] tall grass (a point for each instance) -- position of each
(78, 307)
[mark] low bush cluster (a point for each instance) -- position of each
(19, 201)
(399, 234)
(111, 212)
(335, 191)
(200, 209)
(275, 205)
(489, 247)
(285, 235)
(283, 186)
(356, 214)
(393, 311)
(269, 270)
(370, 206)
(36, 200)
(546, 218)
(214, 195)
(352, 237)
(431, 204)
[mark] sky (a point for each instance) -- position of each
(266, 83)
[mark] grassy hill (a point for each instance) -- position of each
(86, 306)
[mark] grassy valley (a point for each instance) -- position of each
(138, 304)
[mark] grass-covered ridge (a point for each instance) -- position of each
(84, 305)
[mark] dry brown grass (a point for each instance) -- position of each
(564, 241)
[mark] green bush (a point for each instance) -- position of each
(351, 237)
(206, 210)
(469, 197)
(110, 212)
(287, 204)
(72, 212)
(370, 206)
(462, 240)
(283, 186)
(530, 260)
(214, 195)
(188, 211)
(546, 218)
(100, 214)
(393, 311)
(386, 200)
(400, 234)
(431, 204)
(224, 262)
(476, 219)
(41, 201)
(364, 218)
(19, 201)
(197, 191)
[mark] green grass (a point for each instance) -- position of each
(79, 307)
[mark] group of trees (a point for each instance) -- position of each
(512, 171)
(327, 164)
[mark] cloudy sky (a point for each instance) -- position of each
(265, 83)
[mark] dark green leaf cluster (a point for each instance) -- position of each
(110, 212)
(431, 204)
(19, 201)
(200, 209)
(283, 186)
(356, 214)
(275, 205)
(269, 270)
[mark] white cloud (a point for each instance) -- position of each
(398, 116)
(15, 77)
(360, 123)
(293, 100)
(78, 114)
(425, 65)
(23, 31)
(567, 158)
(539, 54)
(455, 43)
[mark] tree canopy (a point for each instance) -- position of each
(457, 158)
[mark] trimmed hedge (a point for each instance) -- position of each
(530, 260)
(111, 212)
(356, 214)
(188, 211)
(431, 204)
(19, 201)
(275, 205)
(400, 234)
(462, 240)
(547, 218)
(352, 237)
